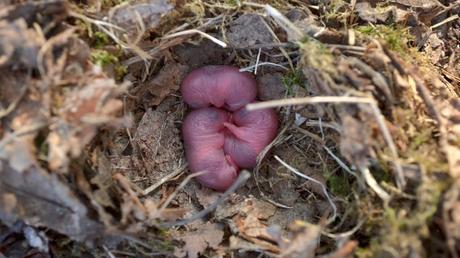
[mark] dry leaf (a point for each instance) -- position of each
(196, 242)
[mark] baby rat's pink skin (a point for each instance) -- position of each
(223, 138)
(203, 132)
(221, 86)
(249, 134)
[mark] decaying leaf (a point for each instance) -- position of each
(166, 82)
(18, 44)
(136, 17)
(84, 110)
(158, 140)
(196, 242)
(42, 199)
(303, 241)
(249, 30)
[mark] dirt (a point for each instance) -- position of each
(366, 162)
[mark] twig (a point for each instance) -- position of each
(249, 68)
(175, 41)
(344, 234)
(257, 61)
(370, 180)
(451, 18)
(242, 178)
(400, 180)
(176, 191)
(284, 22)
(14, 104)
(279, 139)
(341, 163)
(323, 187)
(193, 31)
(308, 100)
(163, 180)
(110, 254)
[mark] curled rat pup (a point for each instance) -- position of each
(220, 135)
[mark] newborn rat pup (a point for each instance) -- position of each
(220, 135)
(250, 133)
(219, 86)
(203, 132)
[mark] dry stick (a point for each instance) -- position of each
(257, 61)
(249, 68)
(109, 254)
(163, 180)
(370, 180)
(194, 31)
(400, 180)
(451, 18)
(175, 41)
(344, 234)
(323, 187)
(14, 104)
(261, 156)
(182, 185)
(242, 178)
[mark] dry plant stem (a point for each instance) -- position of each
(182, 185)
(250, 68)
(280, 138)
(449, 19)
(109, 253)
(14, 104)
(164, 44)
(279, 18)
(163, 180)
(346, 234)
(400, 180)
(323, 187)
(195, 31)
(342, 164)
(242, 178)
(107, 28)
(257, 61)
(370, 180)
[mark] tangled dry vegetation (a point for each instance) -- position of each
(366, 164)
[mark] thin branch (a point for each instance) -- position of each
(344, 234)
(308, 100)
(451, 18)
(182, 185)
(370, 180)
(257, 61)
(323, 187)
(194, 31)
(400, 180)
(250, 68)
(163, 180)
(242, 178)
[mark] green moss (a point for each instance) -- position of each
(404, 228)
(317, 56)
(336, 10)
(382, 172)
(103, 57)
(291, 79)
(396, 37)
(339, 185)
(100, 39)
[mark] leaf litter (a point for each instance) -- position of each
(91, 152)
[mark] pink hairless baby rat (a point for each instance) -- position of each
(221, 136)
